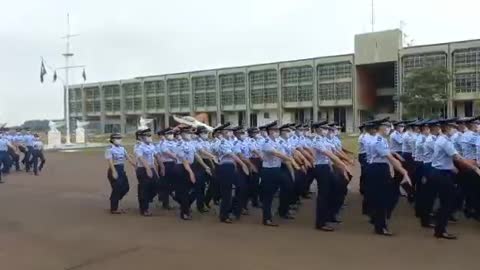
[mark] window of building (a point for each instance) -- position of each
(263, 86)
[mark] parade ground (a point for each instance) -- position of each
(60, 220)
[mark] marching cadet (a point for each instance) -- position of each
(426, 193)
(18, 143)
(201, 167)
(28, 141)
(14, 157)
(368, 141)
(303, 159)
(407, 153)
(243, 149)
(116, 155)
(255, 159)
(226, 171)
(287, 190)
(304, 146)
(396, 137)
(326, 206)
(166, 160)
(469, 180)
(184, 175)
(419, 165)
(379, 182)
(37, 154)
(442, 176)
(271, 173)
(213, 190)
(146, 171)
(4, 162)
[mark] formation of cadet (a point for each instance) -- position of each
(236, 168)
(239, 168)
(15, 144)
(432, 160)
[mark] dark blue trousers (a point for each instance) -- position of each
(240, 198)
(379, 194)
(324, 176)
(15, 158)
(225, 176)
(199, 186)
(28, 158)
(270, 182)
(147, 188)
(443, 184)
(286, 191)
(165, 184)
(183, 189)
(120, 186)
(37, 155)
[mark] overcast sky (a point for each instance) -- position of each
(123, 39)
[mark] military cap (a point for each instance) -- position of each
(318, 124)
(221, 127)
(272, 125)
(238, 129)
(115, 136)
(252, 130)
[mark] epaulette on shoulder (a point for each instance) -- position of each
(379, 139)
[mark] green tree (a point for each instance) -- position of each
(425, 92)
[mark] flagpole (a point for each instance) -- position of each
(67, 55)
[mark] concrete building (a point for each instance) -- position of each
(347, 88)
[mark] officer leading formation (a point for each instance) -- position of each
(20, 150)
(238, 168)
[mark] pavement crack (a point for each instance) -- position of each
(103, 258)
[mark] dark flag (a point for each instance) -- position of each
(55, 76)
(43, 71)
(84, 75)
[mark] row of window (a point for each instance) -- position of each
(467, 82)
(334, 91)
(335, 71)
(417, 61)
(468, 58)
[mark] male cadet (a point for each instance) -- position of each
(369, 140)
(407, 153)
(379, 190)
(256, 160)
(470, 180)
(419, 164)
(37, 154)
(271, 172)
(304, 163)
(4, 160)
(28, 141)
(14, 156)
(243, 149)
(442, 176)
(396, 137)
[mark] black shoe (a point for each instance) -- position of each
(384, 232)
(270, 223)
(445, 235)
(2, 182)
(203, 210)
(186, 217)
(227, 221)
(452, 220)
(335, 220)
(428, 225)
(288, 216)
(325, 228)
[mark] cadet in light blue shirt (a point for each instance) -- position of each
(116, 155)
(166, 157)
(443, 176)
(379, 192)
(396, 138)
(147, 173)
(467, 143)
(5, 145)
(271, 173)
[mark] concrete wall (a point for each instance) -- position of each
(378, 47)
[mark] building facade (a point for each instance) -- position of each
(347, 88)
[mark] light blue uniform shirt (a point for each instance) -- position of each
(369, 141)
(407, 138)
(185, 150)
(37, 144)
(147, 151)
(419, 147)
(269, 160)
(320, 146)
(286, 147)
(164, 147)
(443, 153)
(28, 140)
(396, 141)
(468, 142)
(361, 144)
(224, 150)
(3, 144)
(380, 150)
(243, 147)
(428, 148)
(18, 139)
(117, 154)
(455, 138)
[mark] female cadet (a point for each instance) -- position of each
(200, 167)
(271, 173)
(419, 165)
(184, 176)
(147, 173)
(4, 146)
(255, 159)
(116, 155)
(226, 173)
(165, 155)
(442, 176)
(379, 182)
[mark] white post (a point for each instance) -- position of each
(67, 100)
